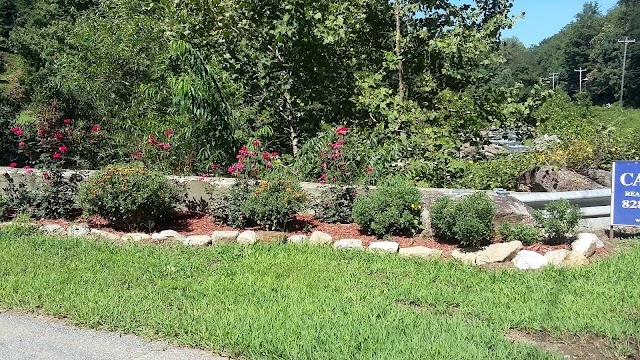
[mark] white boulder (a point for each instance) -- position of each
(529, 260)
(384, 246)
(348, 244)
(247, 238)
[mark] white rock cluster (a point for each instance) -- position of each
(582, 248)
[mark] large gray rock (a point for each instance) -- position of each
(602, 177)
(499, 252)
(198, 240)
(548, 179)
(574, 259)
(247, 238)
(320, 238)
(272, 237)
(224, 237)
(167, 235)
(104, 235)
(556, 257)
(384, 246)
(78, 230)
(492, 254)
(529, 260)
(585, 245)
(348, 244)
(420, 251)
(467, 256)
(53, 229)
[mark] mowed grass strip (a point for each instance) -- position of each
(298, 302)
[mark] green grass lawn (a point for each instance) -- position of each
(292, 302)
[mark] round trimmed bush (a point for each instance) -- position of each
(129, 196)
(468, 221)
(392, 209)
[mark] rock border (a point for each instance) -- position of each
(582, 248)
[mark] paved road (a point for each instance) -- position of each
(24, 337)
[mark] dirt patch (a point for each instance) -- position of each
(583, 347)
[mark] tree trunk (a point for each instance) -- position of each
(292, 121)
(401, 85)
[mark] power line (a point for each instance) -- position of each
(626, 42)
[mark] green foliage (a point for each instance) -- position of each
(558, 219)
(335, 204)
(502, 171)
(391, 209)
(468, 221)
(129, 196)
(229, 208)
(56, 198)
(270, 203)
(527, 234)
(53, 197)
(4, 205)
(274, 203)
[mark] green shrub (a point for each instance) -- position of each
(391, 209)
(335, 204)
(269, 203)
(527, 234)
(129, 196)
(274, 203)
(558, 219)
(55, 198)
(229, 208)
(468, 221)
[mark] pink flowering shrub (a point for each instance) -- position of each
(50, 145)
(340, 164)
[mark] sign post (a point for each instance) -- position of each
(625, 194)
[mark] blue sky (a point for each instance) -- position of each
(544, 18)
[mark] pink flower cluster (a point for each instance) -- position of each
(48, 139)
(333, 159)
(154, 141)
(252, 158)
(17, 131)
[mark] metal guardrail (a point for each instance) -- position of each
(595, 205)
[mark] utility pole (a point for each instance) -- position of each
(553, 79)
(581, 70)
(626, 42)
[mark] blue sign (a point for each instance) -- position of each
(625, 193)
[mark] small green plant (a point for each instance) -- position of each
(392, 209)
(274, 203)
(527, 234)
(129, 196)
(270, 203)
(558, 219)
(468, 221)
(228, 208)
(335, 204)
(4, 206)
